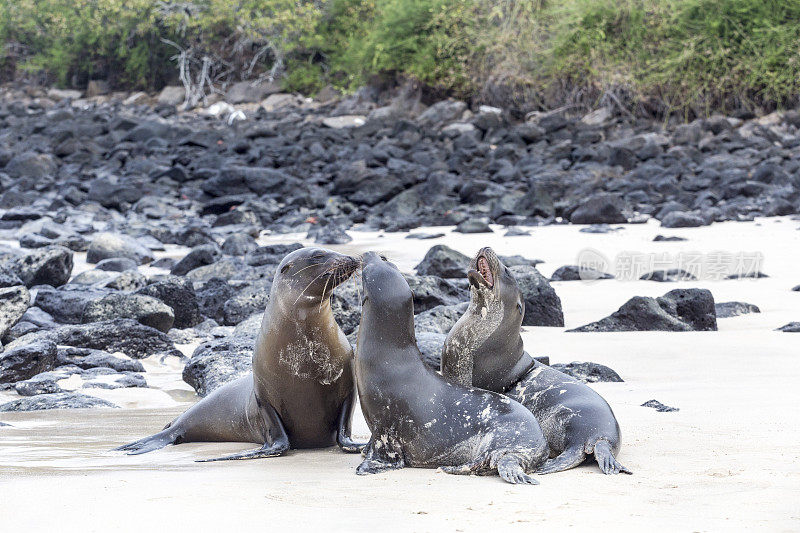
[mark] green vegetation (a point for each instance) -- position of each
(690, 56)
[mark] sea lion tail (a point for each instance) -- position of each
(149, 444)
(606, 460)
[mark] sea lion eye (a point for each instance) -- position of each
(519, 307)
(285, 267)
(383, 257)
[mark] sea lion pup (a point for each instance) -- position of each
(418, 418)
(484, 349)
(301, 391)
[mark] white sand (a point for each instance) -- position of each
(728, 460)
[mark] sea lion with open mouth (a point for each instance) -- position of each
(418, 418)
(301, 392)
(485, 349)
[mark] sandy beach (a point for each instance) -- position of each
(727, 460)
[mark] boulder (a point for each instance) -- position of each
(730, 309)
(63, 400)
(542, 304)
(430, 346)
(87, 358)
(680, 219)
(51, 265)
(600, 209)
(440, 319)
(678, 310)
(171, 95)
(25, 361)
(247, 302)
(179, 294)
(14, 301)
(668, 276)
(444, 262)
(660, 407)
(433, 291)
(144, 309)
(110, 245)
(578, 273)
(218, 362)
(588, 372)
(791, 327)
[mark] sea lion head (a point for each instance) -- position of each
(388, 300)
(491, 283)
(310, 274)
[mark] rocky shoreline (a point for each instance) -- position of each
(119, 180)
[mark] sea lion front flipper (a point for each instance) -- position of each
(569, 458)
(510, 468)
(343, 439)
(277, 441)
(606, 460)
(380, 457)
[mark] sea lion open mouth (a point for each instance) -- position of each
(485, 271)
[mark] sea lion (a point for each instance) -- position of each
(301, 391)
(484, 348)
(418, 418)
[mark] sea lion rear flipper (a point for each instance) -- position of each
(343, 439)
(277, 441)
(380, 458)
(606, 460)
(569, 458)
(151, 443)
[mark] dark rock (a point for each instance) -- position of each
(588, 372)
(791, 327)
(247, 302)
(542, 304)
(211, 298)
(668, 276)
(439, 319)
(444, 262)
(44, 383)
(130, 280)
(600, 209)
(66, 305)
(125, 380)
(433, 291)
(117, 264)
(63, 400)
(179, 294)
(430, 345)
(670, 238)
(599, 228)
(730, 309)
(516, 232)
(660, 407)
(472, 225)
(518, 260)
(328, 234)
(424, 236)
(119, 335)
(796, 289)
(144, 309)
(25, 361)
(578, 273)
(86, 358)
(346, 306)
(217, 362)
(14, 301)
(270, 255)
(51, 265)
(678, 310)
(8, 279)
(679, 219)
(205, 254)
(239, 244)
(747, 275)
(109, 245)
